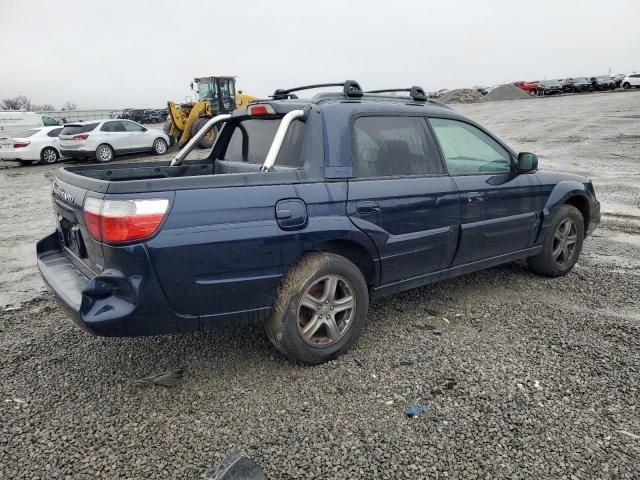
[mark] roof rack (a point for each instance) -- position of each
(350, 88)
(415, 92)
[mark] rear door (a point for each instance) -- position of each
(114, 133)
(401, 197)
(500, 210)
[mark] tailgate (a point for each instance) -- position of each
(74, 237)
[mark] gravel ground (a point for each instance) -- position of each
(523, 377)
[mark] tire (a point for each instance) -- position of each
(558, 258)
(626, 85)
(533, 92)
(208, 140)
(160, 146)
(104, 153)
(49, 155)
(296, 328)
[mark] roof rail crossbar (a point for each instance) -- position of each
(415, 92)
(350, 88)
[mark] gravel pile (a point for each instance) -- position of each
(505, 92)
(521, 377)
(462, 95)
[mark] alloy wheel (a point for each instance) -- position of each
(49, 155)
(104, 154)
(326, 310)
(160, 147)
(564, 242)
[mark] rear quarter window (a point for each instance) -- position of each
(252, 138)
(76, 129)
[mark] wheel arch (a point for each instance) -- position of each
(572, 193)
(354, 252)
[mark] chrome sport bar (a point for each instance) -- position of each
(181, 155)
(279, 138)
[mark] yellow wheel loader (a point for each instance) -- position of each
(215, 95)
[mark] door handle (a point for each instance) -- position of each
(367, 207)
(474, 197)
(283, 214)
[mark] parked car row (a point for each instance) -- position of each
(148, 116)
(101, 140)
(579, 84)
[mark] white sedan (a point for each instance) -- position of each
(32, 146)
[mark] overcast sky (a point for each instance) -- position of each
(134, 53)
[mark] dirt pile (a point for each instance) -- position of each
(462, 95)
(505, 92)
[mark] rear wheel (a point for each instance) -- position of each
(160, 147)
(320, 309)
(49, 155)
(563, 244)
(104, 153)
(209, 138)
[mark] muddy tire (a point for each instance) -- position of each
(320, 308)
(208, 140)
(562, 245)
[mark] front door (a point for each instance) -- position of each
(137, 137)
(401, 197)
(500, 209)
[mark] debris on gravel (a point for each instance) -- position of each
(462, 95)
(506, 92)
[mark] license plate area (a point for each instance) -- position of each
(72, 237)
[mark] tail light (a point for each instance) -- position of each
(21, 144)
(118, 221)
(260, 109)
(82, 136)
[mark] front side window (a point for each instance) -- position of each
(48, 121)
(133, 127)
(467, 150)
(391, 146)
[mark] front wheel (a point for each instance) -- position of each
(533, 92)
(209, 138)
(320, 309)
(563, 244)
(104, 153)
(626, 85)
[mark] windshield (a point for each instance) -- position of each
(603, 78)
(580, 80)
(207, 89)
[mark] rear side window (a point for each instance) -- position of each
(76, 129)
(55, 132)
(467, 150)
(115, 126)
(389, 146)
(252, 138)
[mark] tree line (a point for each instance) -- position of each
(22, 102)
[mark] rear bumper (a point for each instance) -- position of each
(123, 303)
(78, 153)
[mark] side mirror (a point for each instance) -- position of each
(527, 162)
